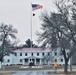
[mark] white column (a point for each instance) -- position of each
(40, 62)
(23, 62)
(28, 61)
(35, 61)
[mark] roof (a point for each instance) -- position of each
(33, 50)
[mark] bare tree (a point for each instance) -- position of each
(60, 28)
(7, 33)
(48, 58)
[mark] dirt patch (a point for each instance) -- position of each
(6, 73)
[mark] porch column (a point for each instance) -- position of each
(40, 61)
(28, 61)
(35, 61)
(23, 62)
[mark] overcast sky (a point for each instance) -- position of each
(17, 13)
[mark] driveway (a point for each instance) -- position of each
(30, 73)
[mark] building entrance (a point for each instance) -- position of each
(32, 62)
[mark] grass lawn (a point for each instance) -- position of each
(46, 67)
(61, 73)
(17, 67)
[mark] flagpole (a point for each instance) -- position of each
(35, 7)
(31, 23)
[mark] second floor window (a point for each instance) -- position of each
(8, 60)
(43, 54)
(32, 54)
(25, 54)
(15, 54)
(37, 54)
(20, 54)
(55, 53)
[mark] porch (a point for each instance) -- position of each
(34, 60)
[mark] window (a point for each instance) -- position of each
(20, 60)
(38, 60)
(15, 54)
(55, 53)
(8, 60)
(37, 54)
(20, 54)
(26, 60)
(32, 54)
(43, 54)
(25, 54)
(55, 60)
(48, 54)
(8, 54)
(61, 60)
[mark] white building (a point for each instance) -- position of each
(38, 56)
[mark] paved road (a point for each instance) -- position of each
(30, 73)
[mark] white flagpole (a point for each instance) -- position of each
(31, 23)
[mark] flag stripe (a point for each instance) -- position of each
(36, 6)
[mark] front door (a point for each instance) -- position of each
(33, 61)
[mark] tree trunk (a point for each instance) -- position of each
(71, 64)
(70, 67)
(66, 67)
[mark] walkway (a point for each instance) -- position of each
(30, 73)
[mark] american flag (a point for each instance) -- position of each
(36, 6)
